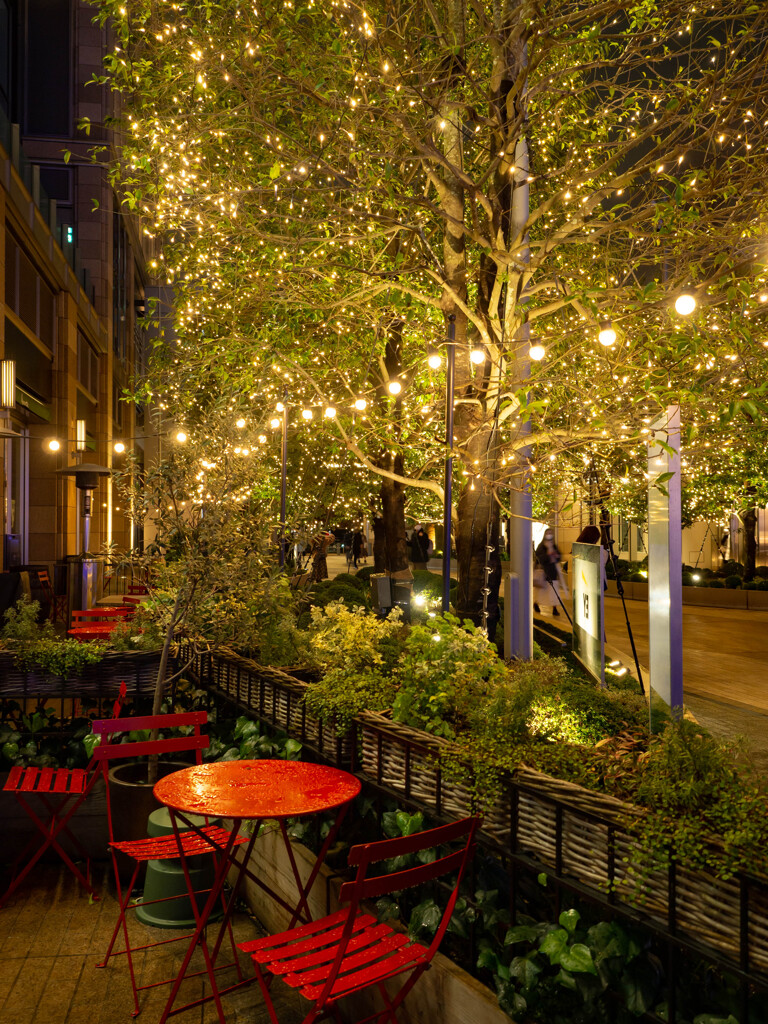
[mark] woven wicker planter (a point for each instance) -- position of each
(138, 669)
(276, 698)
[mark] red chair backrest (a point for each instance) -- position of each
(108, 728)
(365, 888)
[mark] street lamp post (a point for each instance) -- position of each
(450, 377)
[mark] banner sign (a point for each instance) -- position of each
(586, 576)
(665, 594)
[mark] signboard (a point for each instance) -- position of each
(586, 576)
(665, 583)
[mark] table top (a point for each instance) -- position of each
(257, 789)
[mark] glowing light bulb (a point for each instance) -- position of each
(279, 407)
(275, 423)
(477, 355)
(330, 413)
(394, 387)
(306, 414)
(181, 437)
(607, 335)
(537, 352)
(53, 445)
(119, 447)
(360, 404)
(240, 423)
(434, 361)
(685, 304)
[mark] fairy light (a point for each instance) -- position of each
(394, 387)
(685, 304)
(306, 414)
(360, 404)
(607, 335)
(477, 355)
(537, 352)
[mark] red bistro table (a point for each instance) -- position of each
(254, 791)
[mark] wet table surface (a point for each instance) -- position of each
(257, 789)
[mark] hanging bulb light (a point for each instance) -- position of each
(119, 447)
(434, 361)
(53, 445)
(181, 437)
(607, 335)
(240, 423)
(279, 407)
(685, 304)
(330, 413)
(306, 414)
(360, 404)
(536, 352)
(275, 423)
(477, 355)
(394, 387)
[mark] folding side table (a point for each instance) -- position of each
(253, 791)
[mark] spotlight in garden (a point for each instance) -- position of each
(685, 304)
(607, 335)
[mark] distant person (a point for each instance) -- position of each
(420, 545)
(318, 552)
(358, 546)
(551, 582)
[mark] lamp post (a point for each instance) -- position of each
(450, 377)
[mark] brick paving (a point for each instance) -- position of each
(52, 936)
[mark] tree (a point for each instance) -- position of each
(314, 171)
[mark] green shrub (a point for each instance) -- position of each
(732, 582)
(325, 592)
(762, 571)
(365, 574)
(716, 584)
(688, 580)
(350, 579)
(763, 585)
(749, 585)
(40, 647)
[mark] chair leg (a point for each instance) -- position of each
(122, 923)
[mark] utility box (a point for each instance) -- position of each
(381, 593)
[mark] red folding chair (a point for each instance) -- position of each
(349, 951)
(61, 791)
(194, 841)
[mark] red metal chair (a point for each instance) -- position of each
(163, 847)
(62, 791)
(349, 951)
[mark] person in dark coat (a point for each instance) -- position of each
(419, 545)
(358, 542)
(548, 558)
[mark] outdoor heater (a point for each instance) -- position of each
(83, 589)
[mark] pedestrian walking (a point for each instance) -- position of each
(548, 581)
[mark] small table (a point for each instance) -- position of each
(254, 791)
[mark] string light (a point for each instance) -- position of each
(607, 335)
(306, 414)
(274, 423)
(181, 436)
(119, 447)
(685, 304)
(330, 412)
(537, 352)
(477, 355)
(240, 423)
(360, 404)
(394, 387)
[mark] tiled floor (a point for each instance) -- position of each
(52, 936)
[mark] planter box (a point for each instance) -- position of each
(445, 992)
(138, 669)
(275, 697)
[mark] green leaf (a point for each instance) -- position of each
(569, 919)
(552, 945)
(578, 958)
(566, 980)
(274, 170)
(520, 933)
(425, 918)
(525, 970)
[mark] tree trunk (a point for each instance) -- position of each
(750, 542)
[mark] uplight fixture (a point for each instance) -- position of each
(607, 335)
(685, 304)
